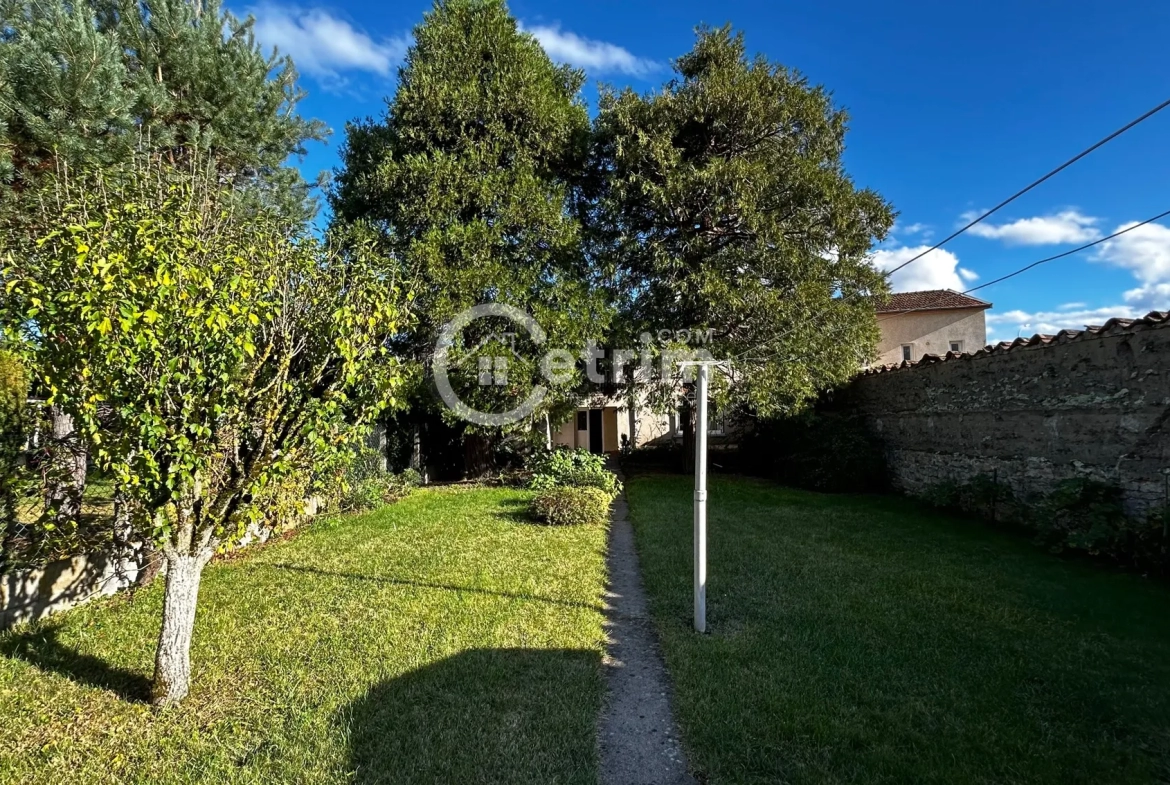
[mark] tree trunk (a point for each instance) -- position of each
(477, 455)
(8, 540)
(68, 458)
(172, 664)
(416, 448)
(688, 433)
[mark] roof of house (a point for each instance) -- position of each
(930, 300)
(1152, 320)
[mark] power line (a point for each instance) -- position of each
(995, 209)
(1035, 183)
(891, 314)
(1037, 263)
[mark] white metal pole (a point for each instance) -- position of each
(701, 502)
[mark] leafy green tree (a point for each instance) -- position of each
(721, 201)
(86, 85)
(13, 394)
(224, 353)
(466, 182)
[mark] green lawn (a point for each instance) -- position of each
(445, 639)
(866, 640)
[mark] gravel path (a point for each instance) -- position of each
(638, 739)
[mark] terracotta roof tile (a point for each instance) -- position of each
(930, 300)
(1152, 320)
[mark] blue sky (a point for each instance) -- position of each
(954, 107)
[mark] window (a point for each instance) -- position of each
(907, 350)
(582, 421)
(957, 346)
(716, 423)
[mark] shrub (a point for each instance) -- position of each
(572, 506)
(1088, 516)
(356, 481)
(826, 452)
(373, 492)
(1080, 515)
(573, 469)
(983, 496)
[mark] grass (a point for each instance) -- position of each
(443, 639)
(868, 640)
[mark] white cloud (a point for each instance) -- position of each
(1151, 297)
(968, 275)
(1008, 325)
(1068, 226)
(594, 56)
(323, 45)
(1145, 252)
(937, 270)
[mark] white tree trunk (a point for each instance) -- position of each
(172, 665)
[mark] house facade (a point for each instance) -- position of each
(600, 422)
(938, 321)
(913, 325)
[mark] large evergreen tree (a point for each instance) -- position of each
(466, 181)
(722, 202)
(85, 85)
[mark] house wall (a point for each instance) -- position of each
(1094, 406)
(930, 332)
(609, 430)
(615, 424)
(566, 435)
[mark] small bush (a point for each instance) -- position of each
(572, 469)
(1087, 516)
(1080, 515)
(357, 481)
(983, 497)
(571, 506)
(378, 490)
(818, 451)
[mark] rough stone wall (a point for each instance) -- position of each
(1093, 404)
(28, 595)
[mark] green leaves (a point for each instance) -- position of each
(203, 348)
(84, 86)
(723, 203)
(468, 178)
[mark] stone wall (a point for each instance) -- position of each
(31, 594)
(1089, 403)
(27, 595)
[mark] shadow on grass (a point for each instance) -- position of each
(514, 511)
(39, 647)
(485, 715)
(436, 586)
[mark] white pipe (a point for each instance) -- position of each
(701, 502)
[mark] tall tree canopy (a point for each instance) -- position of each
(723, 203)
(86, 84)
(466, 181)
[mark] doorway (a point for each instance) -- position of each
(596, 444)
